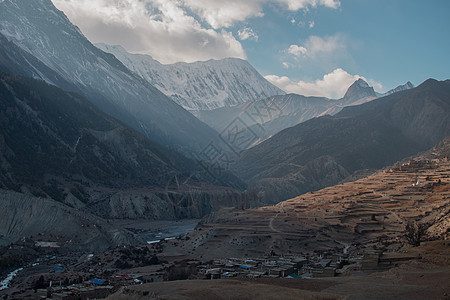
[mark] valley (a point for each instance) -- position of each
(357, 226)
(124, 177)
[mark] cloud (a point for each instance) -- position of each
(219, 13)
(300, 4)
(286, 65)
(160, 28)
(174, 30)
(332, 85)
(247, 34)
(318, 53)
(316, 46)
(297, 51)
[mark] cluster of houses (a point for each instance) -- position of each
(275, 267)
(93, 289)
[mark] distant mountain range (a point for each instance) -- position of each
(326, 150)
(266, 117)
(404, 87)
(200, 85)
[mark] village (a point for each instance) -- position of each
(272, 266)
(294, 267)
(277, 267)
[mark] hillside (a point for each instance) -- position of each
(24, 216)
(49, 132)
(326, 150)
(86, 159)
(369, 213)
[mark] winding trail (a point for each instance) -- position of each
(274, 217)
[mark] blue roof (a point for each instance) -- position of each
(97, 281)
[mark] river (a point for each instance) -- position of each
(4, 284)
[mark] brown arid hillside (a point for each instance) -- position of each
(370, 213)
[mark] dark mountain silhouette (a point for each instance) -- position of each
(51, 139)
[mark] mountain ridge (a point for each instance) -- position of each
(264, 118)
(202, 85)
(45, 33)
(367, 136)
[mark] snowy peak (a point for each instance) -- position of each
(201, 85)
(404, 87)
(360, 89)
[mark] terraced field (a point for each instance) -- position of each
(370, 213)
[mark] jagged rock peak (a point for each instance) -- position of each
(360, 83)
(358, 90)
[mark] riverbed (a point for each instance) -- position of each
(154, 231)
(5, 282)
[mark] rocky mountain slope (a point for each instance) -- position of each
(404, 87)
(325, 150)
(266, 117)
(54, 50)
(201, 85)
(23, 216)
(359, 92)
(57, 145)
(47, 131)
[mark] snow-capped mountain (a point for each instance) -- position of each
(202, 85)
(38, 40)
(400, 88)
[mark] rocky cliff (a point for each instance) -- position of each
(25, 216)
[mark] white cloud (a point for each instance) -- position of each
(300, 4)
(219, 13)
(332, 85)
(160, 28)
(247, 34)
(297, 51)
(317, 46)
(173, 30)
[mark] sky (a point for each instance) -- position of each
(308, 47)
